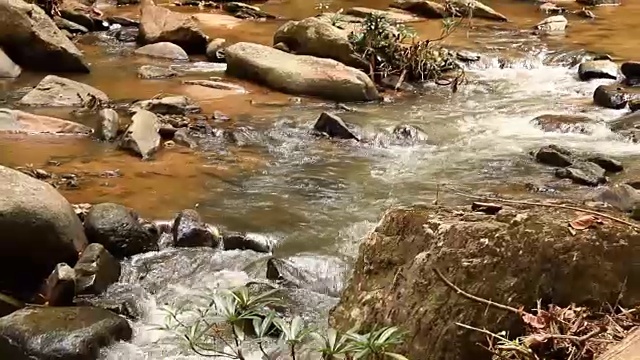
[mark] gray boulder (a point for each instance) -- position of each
(142, 135)
(119, 230)
(159, 24)
(32, 40)
(622, 197)
(108, 125)
(96, 270)
(156, 72)
(608, 164)
(54, 333)
(190, 231)
(598, 69)
(8, 69)
(583, 173)
(298, 74)
(165, 50)
(58, 91)
(70, 26)
(40, 230)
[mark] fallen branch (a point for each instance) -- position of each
(560, 206)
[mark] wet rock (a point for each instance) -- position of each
(627, 124)
(127, 2)
(70, 26)
(598, 69)
(598, 2)
(409, 134)
(247, 241)
(299, 75)
(622, 197)
(631, 70)
(121, 298)
(393, 82)
(16, 121)
(156, 72)
(554, 155)
(476, 9)
(109, 124)
(117, 228)
(142, 135)
(32, 40)
(165, 50)
(158, 24)
(190, 231)
(40, 230)
(96, 270)
(552, 25)
(49, 333)
(334, 127)
(58, 91)
(467, 56)
(81, 14)
(315, 37)
(321, 274)
(124, 21)
(60, 288)
(424, 8)
(245, 11)
(182, 137)
(634, 105)
(563, 123)
(607, 163)
(219, 85)
(396, 16)
(128, 35)
(583, 173)
(169, 105)
(215, 50)
(610, 96)
(529, 255)
(8, 69)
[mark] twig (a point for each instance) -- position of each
(521, 349)
(476, 298)
(576, 339)
(560, 206)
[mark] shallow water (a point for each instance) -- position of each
(318, 196)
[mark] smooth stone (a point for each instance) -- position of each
(165, 50)
(142, 135)
(58, 91)
(598, 69)
(610, 96)
(631, 69)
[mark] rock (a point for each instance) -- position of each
(70, 26)
(40, 230)
(142, 135)
(583, 173)
(467, 56)
(9, 304)
(610, 96)
(127, 2)
(8, 69)
(164, 50)
(155, 72)
(424, 8)
(96, 270)
(563, 123)
(82, 15)
(158, 24)
(244, 11)
(124, 21)
(598, 69)
(409, 134)
(247, 241)
(334, 127)
(627, 349)
(515, 258)
(634, 105)
(190, 231)
(598, 2)
(58, 91)
(182, 137)
(607, 163)
(631, 70)
(315, 37)
(109, 124)
(124, 299)
(219, 85)
(551, 8)
(622, 197)
(169, 105)
(299, 75)
(396, 16)
(49, 333)
(476, 9)
(215, 50)
(127, 35)
(117, 228)
(16, 121)
(627, 125)
(552, 25)
(321, 274)
(587, 14)
(554, 155)
(391, 82)
(32, 40)
(60, 288)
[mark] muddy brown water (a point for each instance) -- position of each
(318, 196)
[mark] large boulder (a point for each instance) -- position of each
(315, 37)
(142, 135)
(32, 40)
(39, 230)
(17, 121)
(515, 258)
(119, 230)
(8, 69)
(96, 270)
(82, 15)
(58, 91)
(53, 333)
(622, 197)
(158, 24)
(299, 74)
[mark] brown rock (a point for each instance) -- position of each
(563, 123)
(424, 8)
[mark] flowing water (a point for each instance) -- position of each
(315, 196)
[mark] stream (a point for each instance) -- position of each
(317, 197)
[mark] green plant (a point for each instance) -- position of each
(233, 319)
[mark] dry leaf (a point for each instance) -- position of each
(538, 322)
(584, 222)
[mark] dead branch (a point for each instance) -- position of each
(476, 298)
